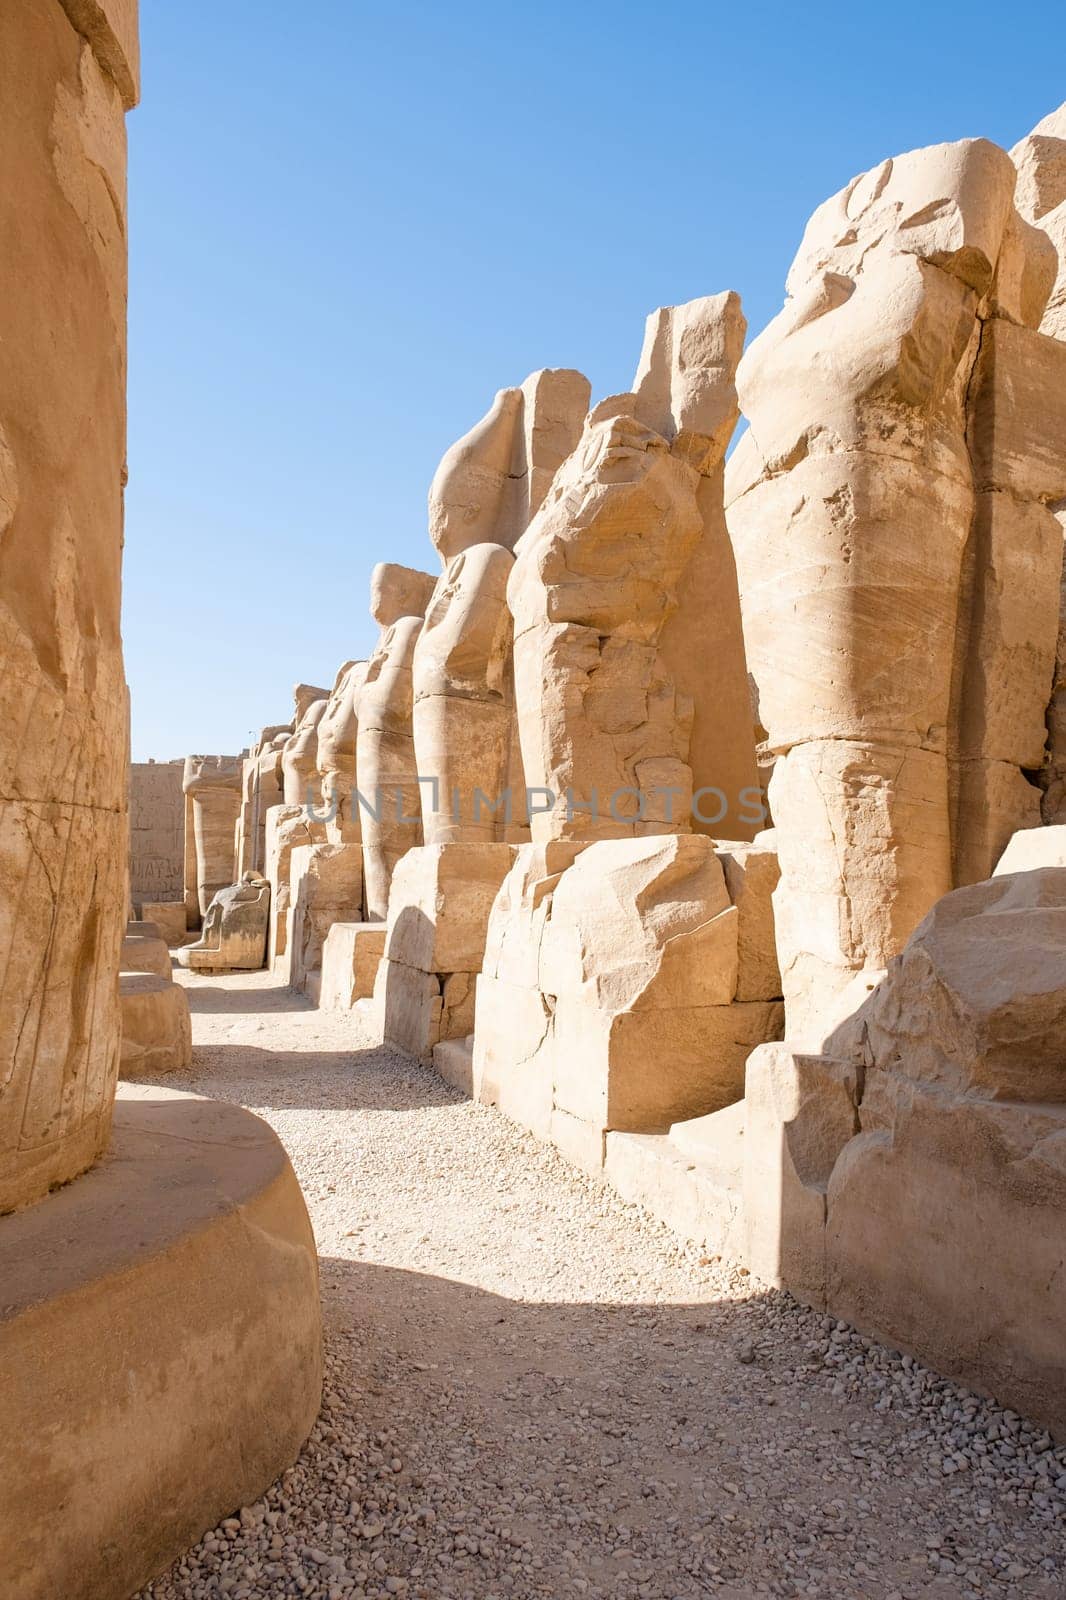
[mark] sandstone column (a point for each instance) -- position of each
(212, 787)
(63, 94)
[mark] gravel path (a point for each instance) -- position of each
(535, 1390)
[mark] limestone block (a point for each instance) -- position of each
(512, 1058)
(299, 757)
(581, 1143)
(1033, 848)
(63, 700)
(800, 1112)
(976, 1002)
(351, 952)
(596, 575)
(440, 902)
(213, 787)
(752, 873)
(408, 1004)
(174, 1289)
(156, 1027)
(520, 911)
(145, 954)
(458, 996)
(944, 1238)
(326, 884)
(641, 1070)
(864, 851)
(234, 936)
(453, 1060)
(169, 917)
(696, 1187)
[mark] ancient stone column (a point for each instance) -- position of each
(261, 788)
(385, 755)
(212, 787)
(63, 742)
(299, 758)
(882, 564)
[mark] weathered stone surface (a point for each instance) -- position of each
(752, 873)
(299, 757)
(440, 903)
(408, 1005)
(63, 728)
(690, 1178)
(385, 752)
(234, 936)
(287, 829)
(213, 786)
(326, 885)
(157, 831)
(453, 1060)
(337, 734)
(262, 787)
(187, 1404)
(976, 1002)
(110, 28)
(351, 952)
(891, 397)
(1041, 198)
(156, 1027)
(145, 953)
(169, 918)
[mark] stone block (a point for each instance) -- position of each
(141, 953)
(351, 952)
(169, 918)
(453, 1060)
(156, 1028)
(439, 905)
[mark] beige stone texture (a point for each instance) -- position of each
(752, 873)
(898, 391)
(685, 389)
(351, 952)
(65, 708)
(110, 28)
(234, 936)
(337, 735)
(326, 885)
(287, 829)
(440, 903)
(409, 1007)
(169, 918)
(186, 1404)
(299, 758)
(391, 821)
(690, 1178)
(156, 1026)
(608, 997)
(1033, 848)
(1041, 199)
(157, 831)
(142, 952)
(262, 787)
(453, 1060)
(213, 786)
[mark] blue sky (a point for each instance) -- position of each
(352, 223)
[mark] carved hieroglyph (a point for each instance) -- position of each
(898, 561)
(212, 787)
(385, 752)
(63, 732)
(629, 662)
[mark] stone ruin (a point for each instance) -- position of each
(527, 841)
(718, 841)
(159, 1327)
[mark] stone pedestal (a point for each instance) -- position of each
(326, 885)
(351, 952)
(156, 1027)
(439, 908)
(160, 1327)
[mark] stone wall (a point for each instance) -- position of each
(157, 832)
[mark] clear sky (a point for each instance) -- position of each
(352, 223)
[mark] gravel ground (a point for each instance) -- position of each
(534, 1390)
